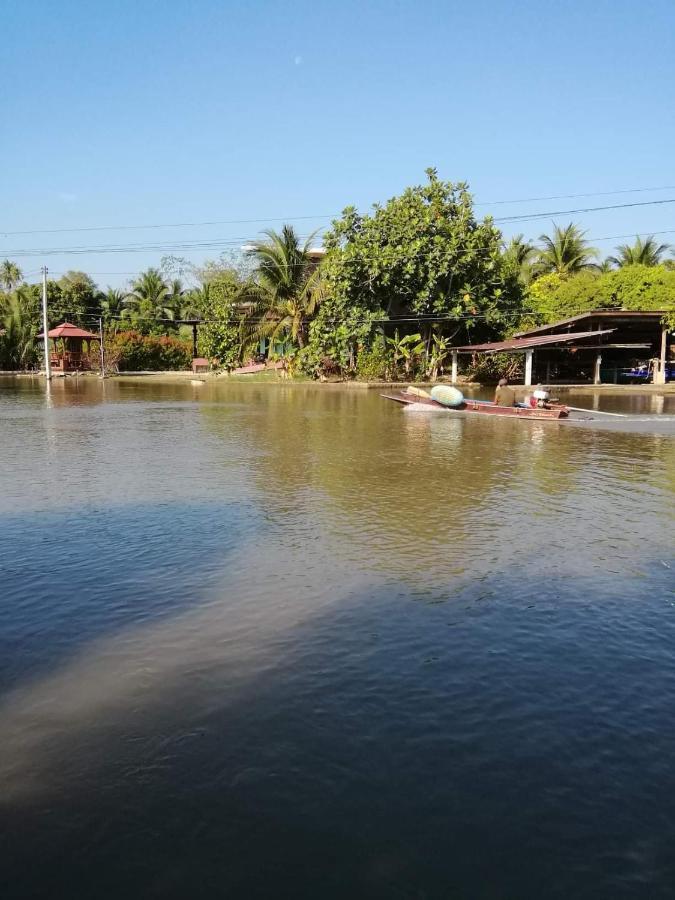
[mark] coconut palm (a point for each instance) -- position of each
(10, 274)
(286, 287)
(17, 344)
(566, 252)
(150, 299)
(519, 254)
(642, 253)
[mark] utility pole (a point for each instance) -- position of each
(100, 331)
(45, 324)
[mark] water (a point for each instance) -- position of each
(286, 641)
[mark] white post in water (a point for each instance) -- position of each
(528, 367)
(596, 373)
(45, 324)
(454, 367)
(100, 335)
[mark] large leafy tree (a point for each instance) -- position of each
(79, 295)
(554, 297)
(423, 252)
(10, 274)
(286, 287)
(647, 252)
(565, 252)
(222, 336)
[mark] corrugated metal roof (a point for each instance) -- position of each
(529, 343)
(598, 314)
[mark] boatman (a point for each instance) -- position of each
(504, 395)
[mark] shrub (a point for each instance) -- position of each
(134, 352)
(374, 363)
(491, 367)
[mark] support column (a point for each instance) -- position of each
(529, 354)
(453, 376)
(660, 367)
(596, 374)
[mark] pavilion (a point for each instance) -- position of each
(73, 354)
(597, 346)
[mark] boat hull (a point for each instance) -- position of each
(480, 407)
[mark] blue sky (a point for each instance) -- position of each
(133, 113)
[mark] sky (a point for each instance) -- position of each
(157, 113)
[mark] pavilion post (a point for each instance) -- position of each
(660, 367)
(529, 354)
(596, 373)
(454, 367)
(100, 335)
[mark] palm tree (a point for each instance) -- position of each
(286, 287)
(10, 274)
(111, 303)
(566, 252)
(17, 344)
(518, 254)
(642, 253)
(150, 298)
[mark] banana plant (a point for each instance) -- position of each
(405, 349)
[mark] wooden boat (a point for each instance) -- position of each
(481, 407)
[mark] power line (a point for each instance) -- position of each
(224, 242)
(94, 228)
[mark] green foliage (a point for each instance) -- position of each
(630, 287)
(286, 287)
(647, 252)
(153, 304)
(423, 252)
(374, 363)
(18, 320)
(336, 333)
(10, 274)
(406, 350)
(79, 296)
(566, 252)
(518, 259)
(222, 337)
(490, 367)
(135, 352)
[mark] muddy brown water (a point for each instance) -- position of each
(286, 641)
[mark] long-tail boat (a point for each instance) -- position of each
(420, 400)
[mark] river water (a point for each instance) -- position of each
(292, 641)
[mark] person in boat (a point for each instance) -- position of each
(505, 395)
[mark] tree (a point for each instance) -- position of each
(636, 287)
(518, 256)
(79, 295)
(150, 303)
(111, 304)
(286, 287)
(10, 274)
(18, 321)
(642, 253)
(223, 336)
(421, 254)
(405, 349)
(566, 252)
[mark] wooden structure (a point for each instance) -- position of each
(482, 407)
(598, 346)
(71, 348)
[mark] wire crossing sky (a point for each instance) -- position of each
(213, 120)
